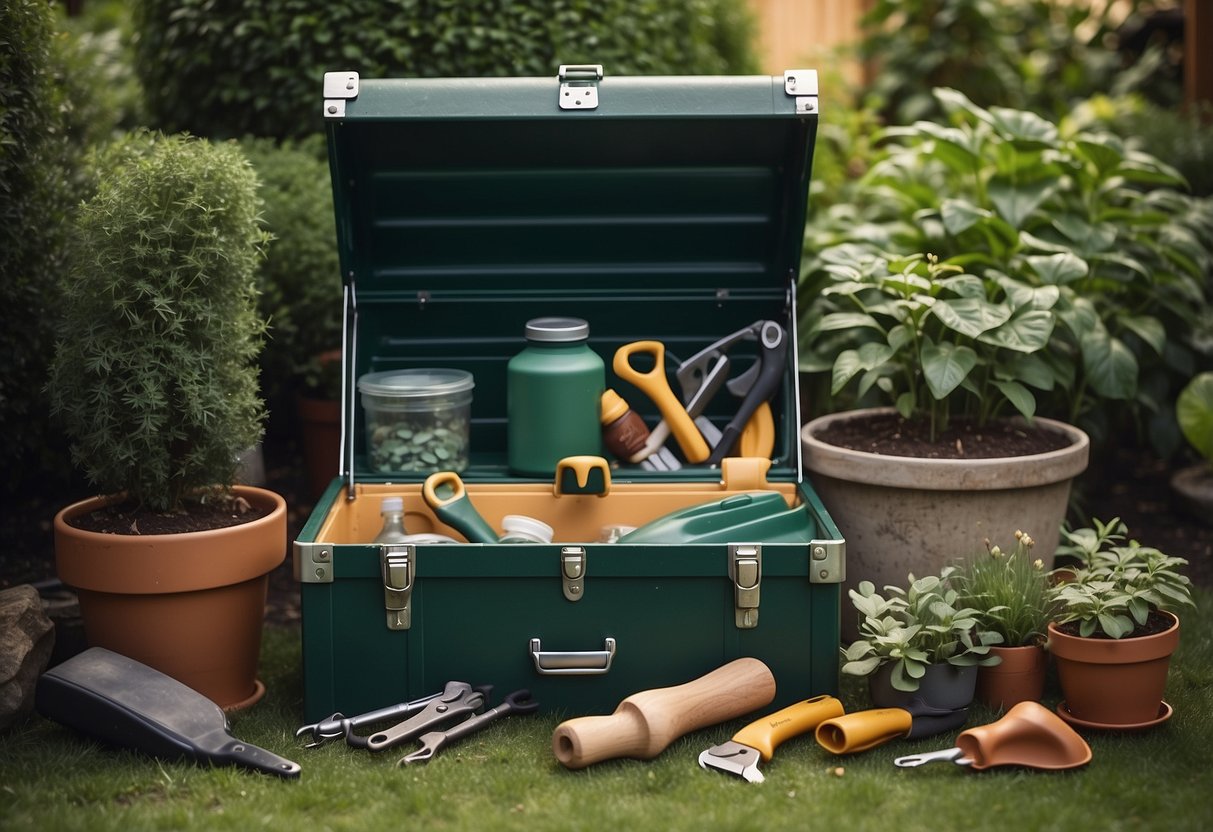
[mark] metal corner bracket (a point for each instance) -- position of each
(579, 86)
(339, 87)
(801, 84)
(827, 561)
(312, 563)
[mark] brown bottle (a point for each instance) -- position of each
(623, 431)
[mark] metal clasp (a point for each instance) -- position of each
(572, 572)
(399, 563)
(579, 86)
(745, 571)
(338, 88)
(802, 85)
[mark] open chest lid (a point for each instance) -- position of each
(655, 208)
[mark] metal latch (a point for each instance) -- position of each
(827, 561)
(572, 572)
(399, 563)
(338, 88)
(579, 86)
(745, 571)
(802, 85)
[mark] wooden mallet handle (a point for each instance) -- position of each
(646, 723)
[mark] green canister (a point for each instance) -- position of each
(553, 390)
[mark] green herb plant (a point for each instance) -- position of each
(1117, 583)
(924, 624)
(153, 374)
(1068, 224)
(1009, 590)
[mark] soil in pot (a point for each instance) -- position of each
(889, 434)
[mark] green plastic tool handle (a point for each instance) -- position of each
(456, 510)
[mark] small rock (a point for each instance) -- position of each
(26, 639)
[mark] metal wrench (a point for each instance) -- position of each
(457, 699)
(518, 702)
(338, 725)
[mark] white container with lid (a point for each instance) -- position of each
(417, 420)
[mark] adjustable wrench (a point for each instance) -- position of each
(518, 702)
(339, 725)
(457, 699)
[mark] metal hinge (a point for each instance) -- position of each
(399, 562)
(312, 563)
(579, 86)
(572, 572)
(339, 87)
(745, 571)
(827, 561)
(802, 85)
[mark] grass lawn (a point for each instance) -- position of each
(506, 777)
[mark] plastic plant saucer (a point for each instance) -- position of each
(1164, 713)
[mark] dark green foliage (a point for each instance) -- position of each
(225, 69)
(1038, 55)
(34, 202)
(153, 374)
(300, 278)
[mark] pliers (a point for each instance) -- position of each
(518, 702)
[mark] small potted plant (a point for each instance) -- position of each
(1009, 591)
(1115, 628)
(155, 382)
(919, 643)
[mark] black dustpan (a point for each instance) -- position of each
(127, 703)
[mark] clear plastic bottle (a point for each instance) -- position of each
(392, 509)
(517, 528)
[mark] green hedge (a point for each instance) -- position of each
(34, 201)
(226, 69)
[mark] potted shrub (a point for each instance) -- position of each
(1009, 591)
(959, 358)
(1194, 412)
(918, 645)
(155, 382)
(1115, 628)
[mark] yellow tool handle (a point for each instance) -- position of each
(430, 489)
(758, 438)
(766, 734)
(581, 467)
(655, 385)
(645, 723)
(863, 730)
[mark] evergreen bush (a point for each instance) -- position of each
(230, 69)
(153, 374)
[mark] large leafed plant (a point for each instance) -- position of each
(1072, 222)
(154, 373)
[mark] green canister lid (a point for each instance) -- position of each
(557, 330)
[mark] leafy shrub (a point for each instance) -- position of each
(300, 278)
(1030, 205)
(153, 373)
(35, 166)
(227, 70)
(1038, 55)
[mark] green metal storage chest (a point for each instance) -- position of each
(666, 208)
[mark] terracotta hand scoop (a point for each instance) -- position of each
(1027, 735)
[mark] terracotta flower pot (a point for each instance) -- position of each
(903, 515)
(1114, 682)
(1019, 677)
(190, 605)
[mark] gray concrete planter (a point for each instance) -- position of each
(902, 515)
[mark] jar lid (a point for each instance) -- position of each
(557, 330)
(391, 504)
(422, 382)
(528, 527)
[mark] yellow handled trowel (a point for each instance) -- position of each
(757, 741)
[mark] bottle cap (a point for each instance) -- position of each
(517, 524)
(613, 406)
(557, 330)
(391, 504)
